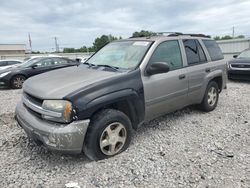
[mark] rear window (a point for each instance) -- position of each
(213, 50)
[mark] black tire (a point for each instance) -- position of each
(96, 130)
(206, 105)
(17, 82)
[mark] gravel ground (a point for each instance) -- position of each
(187, 148)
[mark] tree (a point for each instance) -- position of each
(102, 41)
(143, 33)
(217, 38)
(240, 37)
(227, 37)
(68, 50)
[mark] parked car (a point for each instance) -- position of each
(8, 63)
(94, 107)
(239, 67)
(14, 77)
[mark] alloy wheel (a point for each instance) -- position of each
(113, 138)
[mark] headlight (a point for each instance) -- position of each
(62, 107)
(4, 74)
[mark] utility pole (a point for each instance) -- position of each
(56, 45)
(233, 32)
(30, 43)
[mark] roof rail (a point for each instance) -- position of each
(174, 34)
(189, 34)
(169, 33)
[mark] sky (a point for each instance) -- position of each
(78, 23)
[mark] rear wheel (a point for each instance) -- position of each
(109, 133)
(17, 81)
(211, 97)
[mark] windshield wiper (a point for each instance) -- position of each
(89, 64)
(109, 66)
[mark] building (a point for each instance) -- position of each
(12, 51)
(233, 46)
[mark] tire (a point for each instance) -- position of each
(109, 134)
(17, 81)
(212, 91)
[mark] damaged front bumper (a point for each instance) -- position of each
(67, 138)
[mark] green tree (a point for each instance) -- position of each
(240, 37)
(143, 33)
(217, 38)
(68, 50)
(226, 37)
(102, 41)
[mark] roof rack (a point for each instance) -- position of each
(169, 33)
(189, 34)
(174, 34)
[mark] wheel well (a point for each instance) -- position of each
(218, 80)
(125, 107)
(17, 75)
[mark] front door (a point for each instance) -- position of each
(166, 92)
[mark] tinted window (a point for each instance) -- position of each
(169, 52)
(3, 63)
(213, 50)
(60, 61)
(45, 62)
(12, 62)
(191, 51)
(201, 52)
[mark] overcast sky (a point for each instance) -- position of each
(78, 23)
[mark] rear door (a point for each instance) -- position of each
(197, 69)
(166, 92)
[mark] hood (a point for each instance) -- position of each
(59, 83)
(240, 60)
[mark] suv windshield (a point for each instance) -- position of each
(245, 54)
(121, 54)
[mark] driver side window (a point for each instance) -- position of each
(168, 52)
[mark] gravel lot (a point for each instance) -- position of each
(187, 148)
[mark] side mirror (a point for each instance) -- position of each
(34, 66)
(157, 68)
(235, 56)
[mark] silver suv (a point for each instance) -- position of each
(95, 106)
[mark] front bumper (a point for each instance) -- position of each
(4, 82)
(67, 138)
(239, 74)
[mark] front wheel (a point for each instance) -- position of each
(17, 81)
(109, 133)
(211, 97)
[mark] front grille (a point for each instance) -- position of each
(33, 112)
(240, 65)
(33, 99)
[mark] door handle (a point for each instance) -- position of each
(182, 76)
(208, 70)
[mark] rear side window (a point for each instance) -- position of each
(168, 52)
(12, 62)
(60, 61)
(194, 52)
(3, 63)
(213, 50)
